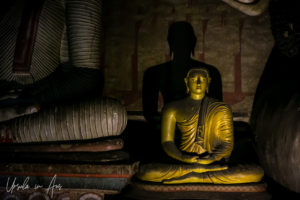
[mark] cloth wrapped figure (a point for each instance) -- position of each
(205, 140)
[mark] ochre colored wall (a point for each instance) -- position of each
(135, 39)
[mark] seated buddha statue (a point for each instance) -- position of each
(205, 142)
(50, 67)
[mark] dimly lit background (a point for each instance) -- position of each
(136, 39)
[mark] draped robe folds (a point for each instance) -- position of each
(208, 130)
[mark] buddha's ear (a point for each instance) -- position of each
(208, 83)
(186, 85)
(185, 80)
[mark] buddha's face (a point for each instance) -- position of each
(197, 83)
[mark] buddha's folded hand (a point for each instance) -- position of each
(206, 160)
(190, 159)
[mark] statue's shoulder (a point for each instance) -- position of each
(182, 109)
(157, 72)
(159, 68)
(175, 107)
(215, 104)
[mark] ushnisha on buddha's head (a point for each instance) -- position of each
(197, 83)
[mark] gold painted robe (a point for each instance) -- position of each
(213, 135)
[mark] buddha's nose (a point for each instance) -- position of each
(198, 80)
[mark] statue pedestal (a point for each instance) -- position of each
(99, 145)
(85, 170)
(100, 151)
(63, 181)
(145, 191)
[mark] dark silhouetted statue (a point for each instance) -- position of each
(168, 77)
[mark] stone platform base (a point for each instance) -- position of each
(63, 194)
(27, 178)
(145, 191)
(97, 151)
(250, 187)
(99, 145)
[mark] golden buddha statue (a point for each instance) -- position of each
(206, 140)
